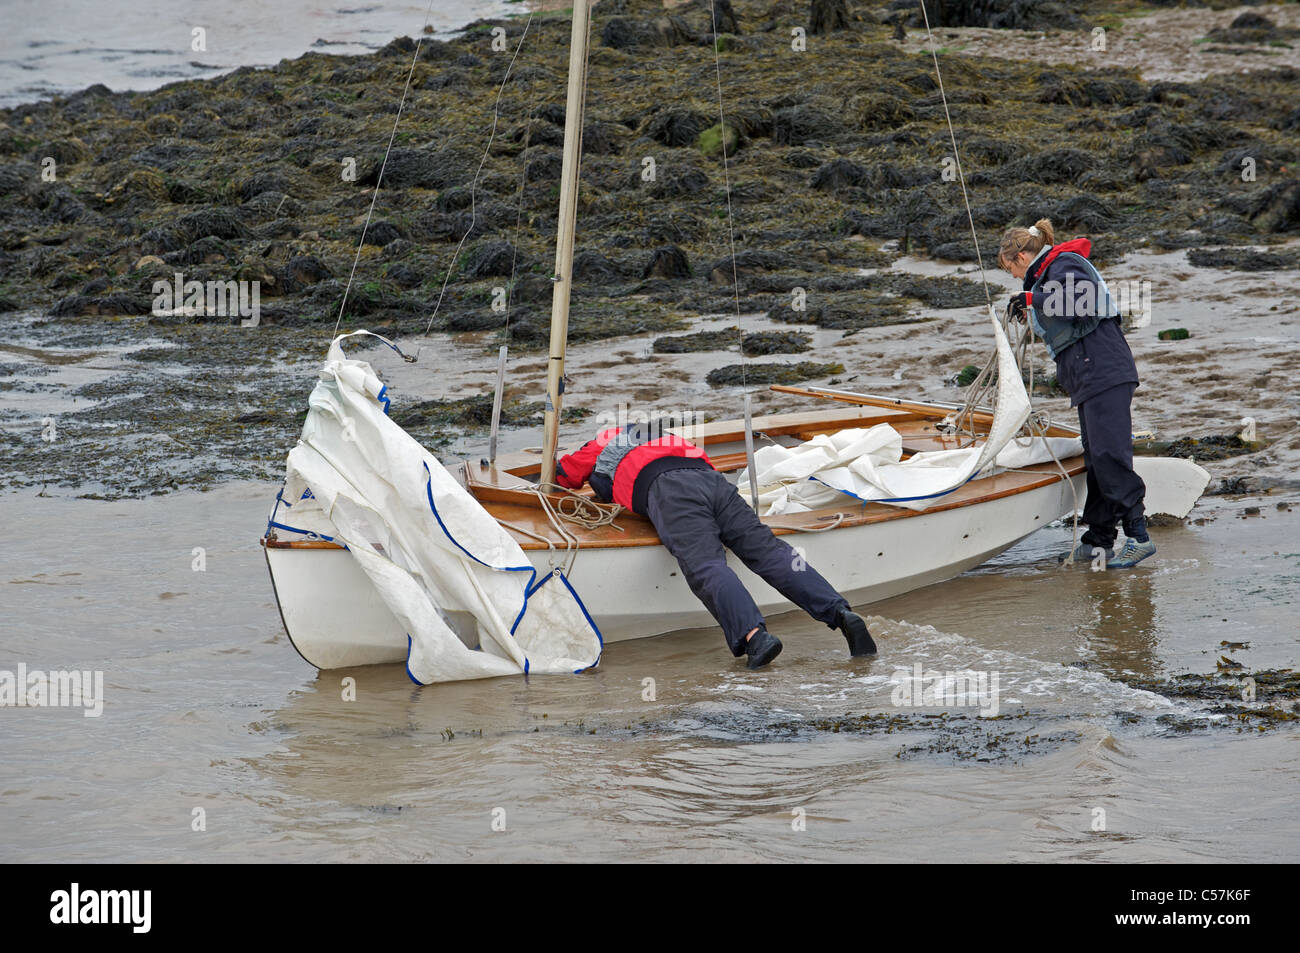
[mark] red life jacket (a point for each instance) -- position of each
(622, 462)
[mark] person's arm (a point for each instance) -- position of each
(574, 468)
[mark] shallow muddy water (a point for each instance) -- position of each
(207, 706)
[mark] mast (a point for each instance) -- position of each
(562, 279)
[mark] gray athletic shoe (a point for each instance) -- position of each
(1083, 553)
(1132, 554)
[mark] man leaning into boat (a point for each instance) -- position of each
(697, 512)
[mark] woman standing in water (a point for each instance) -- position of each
(1075, 315)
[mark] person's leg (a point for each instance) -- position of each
(1110, 434)
(680, 506)
(1098, 511)
(771, 559)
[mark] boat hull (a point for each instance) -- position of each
(336, 619)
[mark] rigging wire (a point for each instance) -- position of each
(726, 179)
(473, 189)
(961, 176)
(383, 165)
(1039, 422)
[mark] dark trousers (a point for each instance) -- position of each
(1115, 491)
(696, 513)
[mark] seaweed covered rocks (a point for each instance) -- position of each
(272, 172)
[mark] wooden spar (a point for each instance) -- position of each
(982, 414)
(496, 404)
(870, 400)
(560, 283)
(749, 455)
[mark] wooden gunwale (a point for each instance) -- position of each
(507, 494)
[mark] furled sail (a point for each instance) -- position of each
(867, 463)
(472, 604)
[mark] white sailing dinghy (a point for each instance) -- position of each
(379, 554)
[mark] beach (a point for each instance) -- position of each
(1139, 716)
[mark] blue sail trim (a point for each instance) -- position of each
(898, 499)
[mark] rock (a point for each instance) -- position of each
(723, 17)
(1089, 89)
(1244, 259)
(148, 261)
(755, 375)
(677, 127)
(400, 45)
(166, 156)
(1002, 14)
(601, 138)
(14, 179)
(110, 305)
(667, 262)
(699, 341)
(301, 272)
(875, 111)
(1174, 334)
(545, 165)
(482, 319)
(775, 342)
(261, 182)
(420, 168)
(827, 16)
(722, 272)
(206, 251)
(60, 204)
(622, 33)
(535, 132)
(714, 142)
(1278, 209)
(448, 79)
(492, 258)
(592, 266)
(382, 233)
(552, 113)
(798, 125)
(679, 182)
(535, 289)
(1083, 213)
(1252, 29)
(65, 152)
(839, 174)
(404, 275)
(212, 221)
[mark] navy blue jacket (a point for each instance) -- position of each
(1097, 361)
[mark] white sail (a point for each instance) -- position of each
(449, 572)
(867, 464)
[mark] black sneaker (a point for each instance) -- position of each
(762, 647)
(855, 633)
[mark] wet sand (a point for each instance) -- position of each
(1168, 45)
